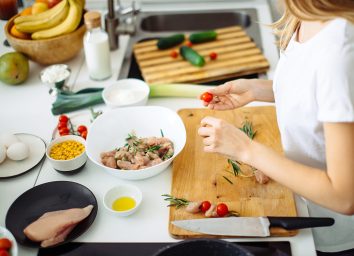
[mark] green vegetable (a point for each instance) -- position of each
(192, 56)
(70, 101)
(202, 37)
(170, 41)
(177, 90)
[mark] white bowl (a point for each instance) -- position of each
(71, 164)
(121, 191)
(126, 92)
(111, 128)
(4, 233)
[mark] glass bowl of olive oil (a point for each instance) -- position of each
(122, 200)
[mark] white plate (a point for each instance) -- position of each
(10, 168)
(4, 233)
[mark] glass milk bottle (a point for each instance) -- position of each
(96, 46)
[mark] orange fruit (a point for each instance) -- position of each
(41, 1)
(19, 34)
(26, 11)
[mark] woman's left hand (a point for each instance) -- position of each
(224, 138)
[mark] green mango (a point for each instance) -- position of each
(14, 68)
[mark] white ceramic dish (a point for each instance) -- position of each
(110, 129)
(122, 191)
(10, 168)
(126, 92)
(67, 165)
(4, 233)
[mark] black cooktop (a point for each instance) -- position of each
(148, 249)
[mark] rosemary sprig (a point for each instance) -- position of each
(153, 148)
(130, 137)
(228, 180)
(247, 128)
(161, 131)
(235, 167)
(174, 201)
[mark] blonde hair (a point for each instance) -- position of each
(309, 10)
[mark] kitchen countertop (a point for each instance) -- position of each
(26, 108)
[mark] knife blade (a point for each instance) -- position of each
(249, 226)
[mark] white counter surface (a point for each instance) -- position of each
(26, 108)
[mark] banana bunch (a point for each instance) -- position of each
(63, 18)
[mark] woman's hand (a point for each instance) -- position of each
(237, 93)
(231, 95)
(224, 138)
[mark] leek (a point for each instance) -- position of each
(178, 90)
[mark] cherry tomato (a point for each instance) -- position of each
(64, 131)
(63, 119)
(189, 44)
(207, 97)
(4, 252)
(81, 129)
(213, 55)
(62, 125)
(174, 54)
(205, 206)
(222, 210)
(5, 243)
(84, 134)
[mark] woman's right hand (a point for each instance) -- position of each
(231, 95)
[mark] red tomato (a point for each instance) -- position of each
(64, 131)
(63, 119)
(4, 252)
(174, 54)
(5, 243)
(84, 134)
(81, 129)
(207, 97)
(52, 3)
(62, 125)
(189, 44)
(213, 55)
(222, 210)
(205, 206)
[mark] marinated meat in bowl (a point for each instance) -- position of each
(139, 153)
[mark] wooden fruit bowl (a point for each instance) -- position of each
(48, 51)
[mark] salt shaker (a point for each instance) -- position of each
(96, 47)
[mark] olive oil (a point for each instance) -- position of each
(124, 203)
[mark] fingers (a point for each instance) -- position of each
(223, 89)
(211, 121)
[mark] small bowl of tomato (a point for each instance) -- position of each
(8, 244)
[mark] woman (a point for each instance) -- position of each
(313, 90)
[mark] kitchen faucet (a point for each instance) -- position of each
(120, 21)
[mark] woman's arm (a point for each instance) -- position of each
(334, 188)
(237, 93)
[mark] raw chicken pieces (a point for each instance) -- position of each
(53, 227)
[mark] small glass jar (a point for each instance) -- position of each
(96, 47)
(8, 8)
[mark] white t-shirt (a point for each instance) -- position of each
(314, 83)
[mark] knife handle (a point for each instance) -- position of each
(290, 223)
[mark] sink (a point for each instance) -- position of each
(194, 21)
(153, 25)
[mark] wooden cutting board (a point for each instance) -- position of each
(237, 55)
(198, 176)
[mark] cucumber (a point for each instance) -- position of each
(202, 37)
(170, 41)
(192, 56)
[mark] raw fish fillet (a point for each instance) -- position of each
(53, 227)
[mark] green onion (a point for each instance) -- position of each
(177, 90)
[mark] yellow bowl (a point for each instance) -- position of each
(48, 51)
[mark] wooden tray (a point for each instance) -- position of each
(237, 55)
(198, 176)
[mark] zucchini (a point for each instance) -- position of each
(192, 56)
(202, 37)
(170, 41)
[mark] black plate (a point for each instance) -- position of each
(47, 197)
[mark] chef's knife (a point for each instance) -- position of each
(249, 226)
